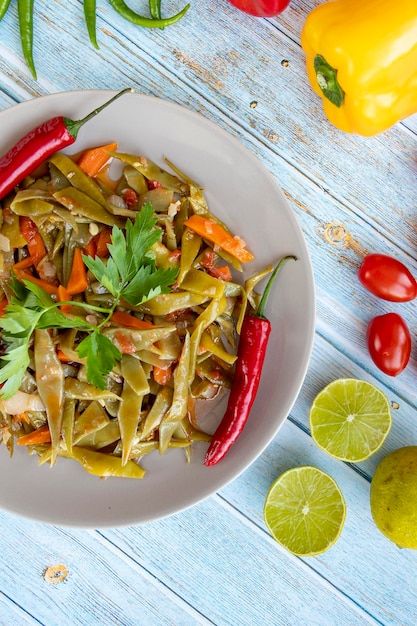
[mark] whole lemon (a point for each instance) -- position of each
(394, 497)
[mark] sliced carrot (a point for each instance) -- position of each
(125, 319)
(48, 287)
(64, 295)
(162, 376)
(103, 239)
(218, 271)
(62, 356)
(124, 344)
(92, 161)
(3, 303)
(78, 280)
(212, 231)
(34, 239)
(103, 177)
(24, 263)
(221, 271)
(22, 417)
(40, 435)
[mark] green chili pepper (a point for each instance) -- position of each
(4, 5)
(122, 9)
(155, 9)
(90, 20)
(25, 12)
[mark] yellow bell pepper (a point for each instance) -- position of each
(361, 59)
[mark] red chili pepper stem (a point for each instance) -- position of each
(38, 144)
(253, 343)
(261, 305)
(74, 126)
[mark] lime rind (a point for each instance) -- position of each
(305, 511)
(350, 419)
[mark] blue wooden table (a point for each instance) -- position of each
(216, 563)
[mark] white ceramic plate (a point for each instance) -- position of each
(244, 195)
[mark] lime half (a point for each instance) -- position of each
(305, 510)
(350, 419)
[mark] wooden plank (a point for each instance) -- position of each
(358, 563)
(233, 573)
(101, 586)
(10, 613)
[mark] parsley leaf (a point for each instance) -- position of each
(148, 283)
(101, 355)
(130, 273)
(31, 307)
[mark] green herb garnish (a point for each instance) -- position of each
(130, 273)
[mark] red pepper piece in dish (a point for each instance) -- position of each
(253, 343)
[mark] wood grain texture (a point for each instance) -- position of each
(216, 563)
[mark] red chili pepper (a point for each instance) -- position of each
(251, 353)
(39, 143)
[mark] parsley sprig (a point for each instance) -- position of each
(130, 273)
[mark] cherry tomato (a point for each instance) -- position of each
(387, 278)
(389, 343)
(261, 8)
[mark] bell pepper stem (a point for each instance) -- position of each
(327, 80)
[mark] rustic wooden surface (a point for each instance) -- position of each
(216, 563)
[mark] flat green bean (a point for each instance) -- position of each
(105, 465)
(77, 178)
(50, 382)
(129, 416)
(80, 203)
(89, 421)
(179, 406)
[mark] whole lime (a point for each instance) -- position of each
(394, 497)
